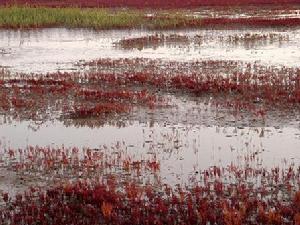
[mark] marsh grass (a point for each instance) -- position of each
(28, 17)
(23, 17)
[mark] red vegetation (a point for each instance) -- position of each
(274, 200)
(244, 194)
(269, 88)
(253, 22)
(77, 162)
(157, 40)
(204, 21)
(153, 41)
(93, 94)
(69, 96)
(97, 110)
(115, 95)
(145, 4)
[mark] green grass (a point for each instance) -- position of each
(26, 17)
(99, 18)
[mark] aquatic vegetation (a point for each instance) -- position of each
(74, 95)
(68, 96)
(133, 96)
(158, 178)
(173, 68)
(97, 110)
(229, 195)
(24, 17)
(252, 22)
(53, 165)
(254, 37)
(152, 41)
(257, 86)
(105, 186)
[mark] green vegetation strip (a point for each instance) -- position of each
(16, 17)
(26, 17)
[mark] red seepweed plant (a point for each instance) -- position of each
(94, 94)
(69, 95)
(229, 195)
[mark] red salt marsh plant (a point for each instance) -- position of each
(169, 22)
(68, 95)
(275, 200)
(171, 68)
(93, 94)
(252, 22)
(252, 37)
(143, 96)
(83, 111)
(63, 164)
(152, 41)
(266, 88)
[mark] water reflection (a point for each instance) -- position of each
(49, 50)
(181, 149)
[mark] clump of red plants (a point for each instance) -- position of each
(157, 40)
(256, 89)
(228, 22)
(229, 195)
(252, 22)
(163, 67)
(67, 95)
(254, 37)
(101, 92)
(153, 41)
(52, 164)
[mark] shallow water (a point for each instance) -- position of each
(49, 50)
(187, 137)
(181, 149)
